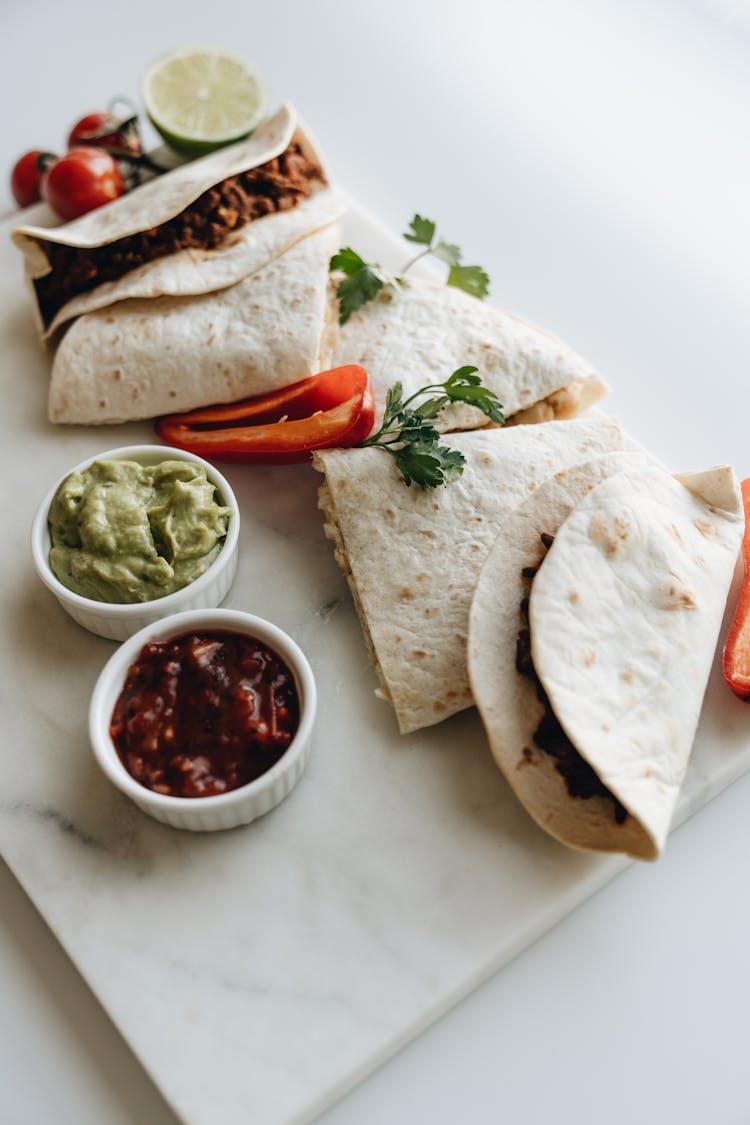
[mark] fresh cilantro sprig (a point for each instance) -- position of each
(364, 280)
(407, 432)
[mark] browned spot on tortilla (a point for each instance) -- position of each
(428, 612)
(628, 674)
(475, 547)
(116, 375)
(485, 347)
(115, 339)
(605, 727)
(647, 772)
(589, 657)
(389, 514)
(419, 653)
(427, 534)
(486, 459)
(707, 530)
(438, 706)
(460, 639)
(609, 538)
(422, 577)
(134, 393)
(526, 759)
(109, 320)
(405, 594)
(102, 402)
(173, 394)
(210, 339)
(574, 597)
(675, 532)
(680, 596)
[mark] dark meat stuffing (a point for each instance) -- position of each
(278, 185)
(580, 779)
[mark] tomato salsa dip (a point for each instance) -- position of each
(203, 713)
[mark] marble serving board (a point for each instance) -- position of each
(260, 973)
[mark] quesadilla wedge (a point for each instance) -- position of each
(147, 357)
(412, 557)
(421, 329)
(591, 638)
(199, 228)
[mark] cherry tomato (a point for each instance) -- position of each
(81, 180)
(26, 177)
(105, 130)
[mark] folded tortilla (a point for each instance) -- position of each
(422, 331)
(412, 557)
(591, 702)
(146, 244)
(146, 357)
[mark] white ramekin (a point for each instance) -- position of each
(226, 810)
(118, 621)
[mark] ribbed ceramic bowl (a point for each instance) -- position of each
(226, 810)
(118, 621)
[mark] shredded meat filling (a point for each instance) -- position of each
(278, 185)
(580, 779)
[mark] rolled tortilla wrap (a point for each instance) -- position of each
(142, 358)
(113, 237)
(623, 617)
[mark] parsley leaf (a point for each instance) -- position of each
(408, 435)
(422, 231)
(464, 385)
(429, 465)
(472, 279)
(364, 280)
(447, 252)
(360, 285)
(348, 261)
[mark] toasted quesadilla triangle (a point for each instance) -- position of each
(143, 358)
(188, 271)
(422, 331)
(624, 617)
(508, 701)
(412, 556)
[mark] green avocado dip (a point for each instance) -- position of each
(124, 532)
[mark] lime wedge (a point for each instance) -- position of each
(199, 100)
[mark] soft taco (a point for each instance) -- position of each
(420, 331)
(591, 638)
(412, 557)
(151, 356)
(197, 229)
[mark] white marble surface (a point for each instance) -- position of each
(618, 187)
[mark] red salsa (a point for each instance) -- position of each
(201, 714)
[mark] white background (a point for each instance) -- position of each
(594, 157)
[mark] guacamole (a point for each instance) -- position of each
(125, 532)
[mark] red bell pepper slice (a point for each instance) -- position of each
(333, 408)
(736, 661)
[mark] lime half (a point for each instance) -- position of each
(200, 100)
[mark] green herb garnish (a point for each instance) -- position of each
(407, 432)
(364, 280)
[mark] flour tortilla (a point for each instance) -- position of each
(143, 358)
(191, 271)
(624, 615)
(422, 331)
(412, 557)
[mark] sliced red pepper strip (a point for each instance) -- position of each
(333, 408)
(736, 661)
